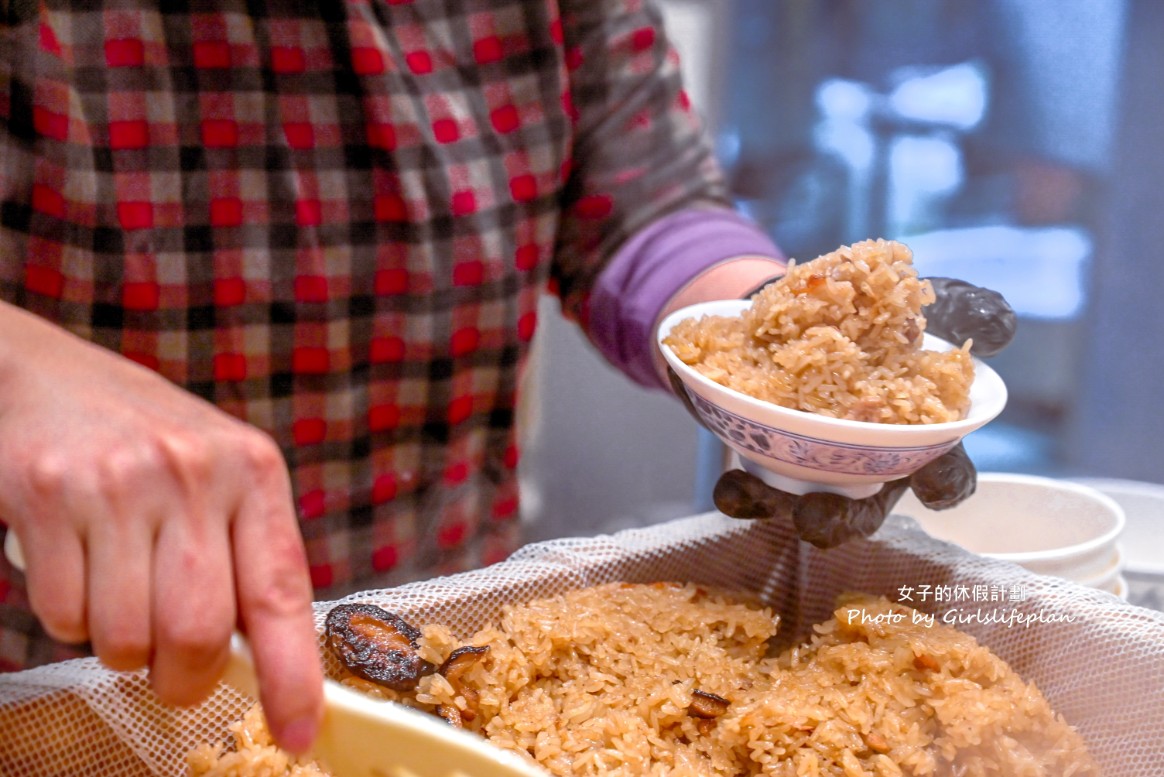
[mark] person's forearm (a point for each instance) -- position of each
(688, 256)
(730, 279)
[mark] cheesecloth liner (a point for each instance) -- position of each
(1103, 669)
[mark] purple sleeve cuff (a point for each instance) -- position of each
(652, 267)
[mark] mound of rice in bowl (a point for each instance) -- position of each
(675, 679)
(840, 336)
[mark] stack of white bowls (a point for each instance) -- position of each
(1052, 527)
(1143, 536)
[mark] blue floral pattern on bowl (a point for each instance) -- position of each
(810, 452)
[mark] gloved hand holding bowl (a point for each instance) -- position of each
(840, 385)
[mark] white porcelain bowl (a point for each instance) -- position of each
(1143, 505)
(1106, 570)
(800, 452)
(1052, 527)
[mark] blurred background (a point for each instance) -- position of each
(1017, 144)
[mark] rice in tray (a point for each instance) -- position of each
(636, 679)
(252, 752)
(840, 336)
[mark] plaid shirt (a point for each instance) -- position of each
(334, 220)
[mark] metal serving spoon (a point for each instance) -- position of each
(365, 737)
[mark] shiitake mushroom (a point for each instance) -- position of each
(460, 661)
(706, 705)
(376, 645)
(453, 669)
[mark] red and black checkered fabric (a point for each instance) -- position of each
(333, 220)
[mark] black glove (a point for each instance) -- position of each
(961, 311)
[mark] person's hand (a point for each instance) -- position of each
(961, 311)
(827, 520)
(152, 524)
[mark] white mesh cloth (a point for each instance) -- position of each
(1099, 661)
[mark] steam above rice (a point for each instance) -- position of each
(840, 336)
(608, 680)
